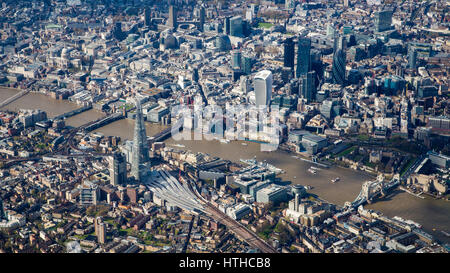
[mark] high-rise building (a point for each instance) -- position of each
(339, 61)
(223, 42)
(263, 87)
(201, 21)
(236, 59)
(289, 53)
(289, 4)
(412, 58)
(195, 75)
(286, 74)
(2, 210)
(117, 31)
(101, 237)
(330, 108)
(97, 221)
(244, 85)
(147, 17)
(172, 22)
(118, 169)
(140, 156)
(227, 25)
(100, 230)
(236, 28)
(307, 87)
(89, 193)
(326, 109)
(303, 56)
(246, 65)
(331, 30)
(383, 20)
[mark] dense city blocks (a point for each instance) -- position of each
(224, 126)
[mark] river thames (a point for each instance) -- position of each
(432, 214)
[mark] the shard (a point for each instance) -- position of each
(140, 158)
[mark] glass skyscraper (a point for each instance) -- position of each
(263, 87)
(236, 26)
(383, 20)
(202, 19)
(339, 62)
(289, 53)
(247, 63)
(412, 57)
(2, 212)
(303, 56)
(236, 59)
(140, 156)
(118, 169)
(307, 87)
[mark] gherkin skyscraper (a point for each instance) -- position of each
(339, 61)
(140, 156)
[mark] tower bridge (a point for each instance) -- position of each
(372, 189)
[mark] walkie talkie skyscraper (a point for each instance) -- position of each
(140, 156)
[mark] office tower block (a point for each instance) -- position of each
(330, 109)
(201, 19)
(147, 17)
(303, 56)
(326, 108)
(246, 28)
(338, 68)
(289, 4)
(289, 53)
(383, 20)
(89, 193)
(227, 25)
(331, 30)
(246, 65)
(340, 42)
(236, 28)
(2, 210)
(223, 42)
(286, 74)
(244, 86)
(307, 86)
(412, 58)
(263, 87)
(117, 31)
(172, 22)
(195, 76)
(118, 169)
(339, 62)
(140, 156)
(236, 59)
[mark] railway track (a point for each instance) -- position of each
(234, 226)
